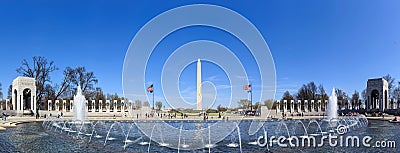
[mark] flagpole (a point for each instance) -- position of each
(153, 99)
(251, 99)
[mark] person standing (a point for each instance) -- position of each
(37, 114)
(2, 116)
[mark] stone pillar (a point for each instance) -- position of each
(291, 106)
(130, 105)
(312, 106)
(12, 103)
(71, 105)
(326, 105)
(100, 105)
(20, 105)
(298, 106)
(115, 105)
(64, 105)
(7, 104)
(32, 104)
(93, 105)
(380, 108)
(49, 105)
(319, 106)
(108, 105)
(123, 105)
(305, 105)
(57, 106)
(278, 109)
(284, 106)
(391, 104)
(87, 106)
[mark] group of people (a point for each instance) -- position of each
(353, 113)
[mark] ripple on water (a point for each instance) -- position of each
(31, 137)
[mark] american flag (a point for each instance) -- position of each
(150, 88)
(247, 88)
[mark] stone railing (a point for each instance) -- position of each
(301, 106)
(91, 106)
(68, 105)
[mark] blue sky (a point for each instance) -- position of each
(335, 43)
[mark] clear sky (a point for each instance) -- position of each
(334, 42)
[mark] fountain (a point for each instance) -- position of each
(79, 106)
(332, 106)
(118, 133)
(318, 128)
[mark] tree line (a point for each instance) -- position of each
(40, 68)
(311, 91)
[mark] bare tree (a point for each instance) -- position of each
(49, 92)
(364, 94)
(269, 103)
(354, 98)
(159, 105)
(312, 90)
(40, 70)
(286, 96)
(98, 94)
(146, 104)
(1, 92)
(138, 104)
(244, 103)
(342, 97)
(396, 92)
(221, 108)
(9, 92)
(69, 77)
(256, 105)
(84, 79)
(391, 83)
(307, 92)
(322, 94)
(303, 93)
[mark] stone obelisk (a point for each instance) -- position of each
(199, 97)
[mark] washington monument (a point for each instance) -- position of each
(199, 97)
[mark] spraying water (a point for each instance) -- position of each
(79, 106)
(332, 106)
